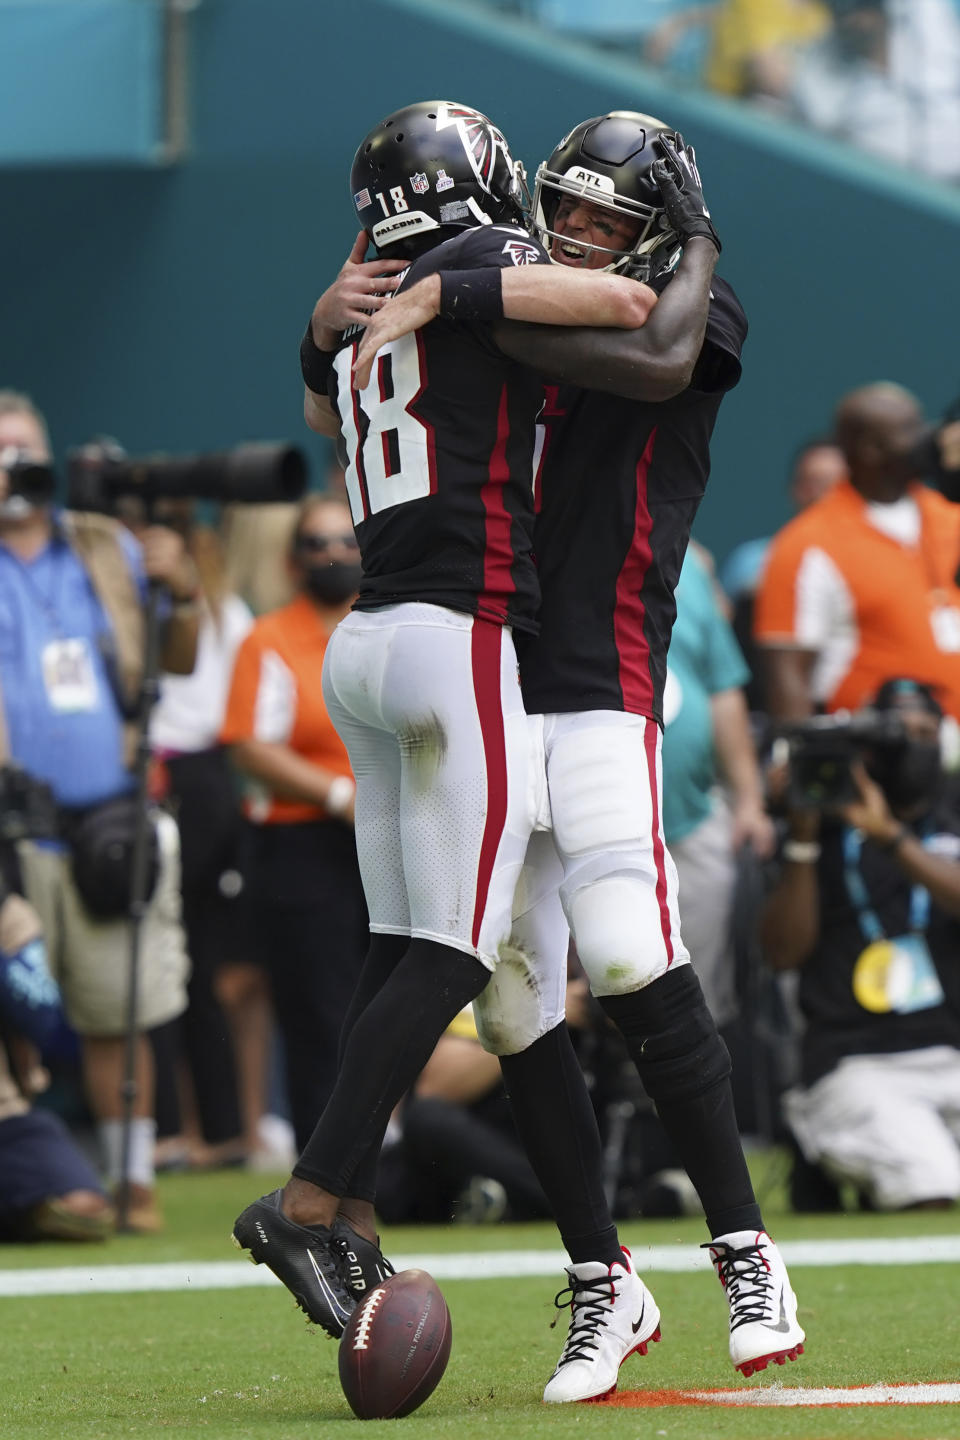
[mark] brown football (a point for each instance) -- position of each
(396, 1346)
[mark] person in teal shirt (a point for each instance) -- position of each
(712, 788)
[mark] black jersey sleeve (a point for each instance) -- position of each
(487, 246)
(502, 246)
(718, 367)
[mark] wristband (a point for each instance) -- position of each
(472, 294)
(315, 364)
(802, 852)
(339, 795)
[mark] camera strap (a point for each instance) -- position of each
(4, 734)
(919, 912)
(95, 541)
(897, 973)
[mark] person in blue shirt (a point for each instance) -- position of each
(712, 791)
(71, 642)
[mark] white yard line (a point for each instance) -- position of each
(826, 1395)
(470, 1265)
(779, 1394)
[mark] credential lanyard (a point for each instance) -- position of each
(919, 913)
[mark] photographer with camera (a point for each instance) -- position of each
(862, 585)
(867, 907)
(72, 661)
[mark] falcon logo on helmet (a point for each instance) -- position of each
(607, 161)
(480, 137)
(434, 147)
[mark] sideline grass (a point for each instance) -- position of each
(243, 1364)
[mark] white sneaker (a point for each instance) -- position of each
(612, 1315)
(763, 1307)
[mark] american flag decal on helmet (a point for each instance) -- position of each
(480, 138)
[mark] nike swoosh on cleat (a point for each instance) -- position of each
(331, 1299)
(783, 1324)
(637, 1323)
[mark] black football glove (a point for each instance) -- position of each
(678, 181)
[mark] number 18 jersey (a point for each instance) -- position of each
(441, 449)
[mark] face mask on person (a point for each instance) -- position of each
(909, 775)
(334, 582)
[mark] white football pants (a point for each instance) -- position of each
(604, 875)
(427, 702)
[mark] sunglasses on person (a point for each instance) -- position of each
(318, 544)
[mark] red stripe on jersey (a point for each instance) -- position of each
(485, 642)
(651, 732)
(498, 526)
(633, 652)
(357, 417)
(411, 409)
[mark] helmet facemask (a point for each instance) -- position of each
(656, 248)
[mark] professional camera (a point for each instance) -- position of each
(822, 750)
(28, 810)
(100, 474)
(30, 482)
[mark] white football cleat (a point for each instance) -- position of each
(612, 1315)
(763, 1307)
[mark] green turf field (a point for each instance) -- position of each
(243, 1363)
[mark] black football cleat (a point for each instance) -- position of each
(309, 1259)
(367, 1266)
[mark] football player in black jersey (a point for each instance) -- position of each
(621, 477)
(421, 679)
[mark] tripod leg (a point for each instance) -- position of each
(139, 884)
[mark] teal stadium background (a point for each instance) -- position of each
(163, 304)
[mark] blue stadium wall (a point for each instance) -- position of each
(165, 306)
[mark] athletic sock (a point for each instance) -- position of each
(388, 1047)
(685, 1069)
(142, 1135)
(556, 1123)
(382, 958)
(705, 1134)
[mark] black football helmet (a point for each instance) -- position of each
(434, 166)
(608, 160)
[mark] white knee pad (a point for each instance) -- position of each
(513, 1010)
(618, 922)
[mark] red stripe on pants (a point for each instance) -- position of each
(485, 642)
(650, 734)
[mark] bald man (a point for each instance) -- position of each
(861, 586)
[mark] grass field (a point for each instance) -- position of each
(242, 1362)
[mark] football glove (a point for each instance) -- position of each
(678, 181)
